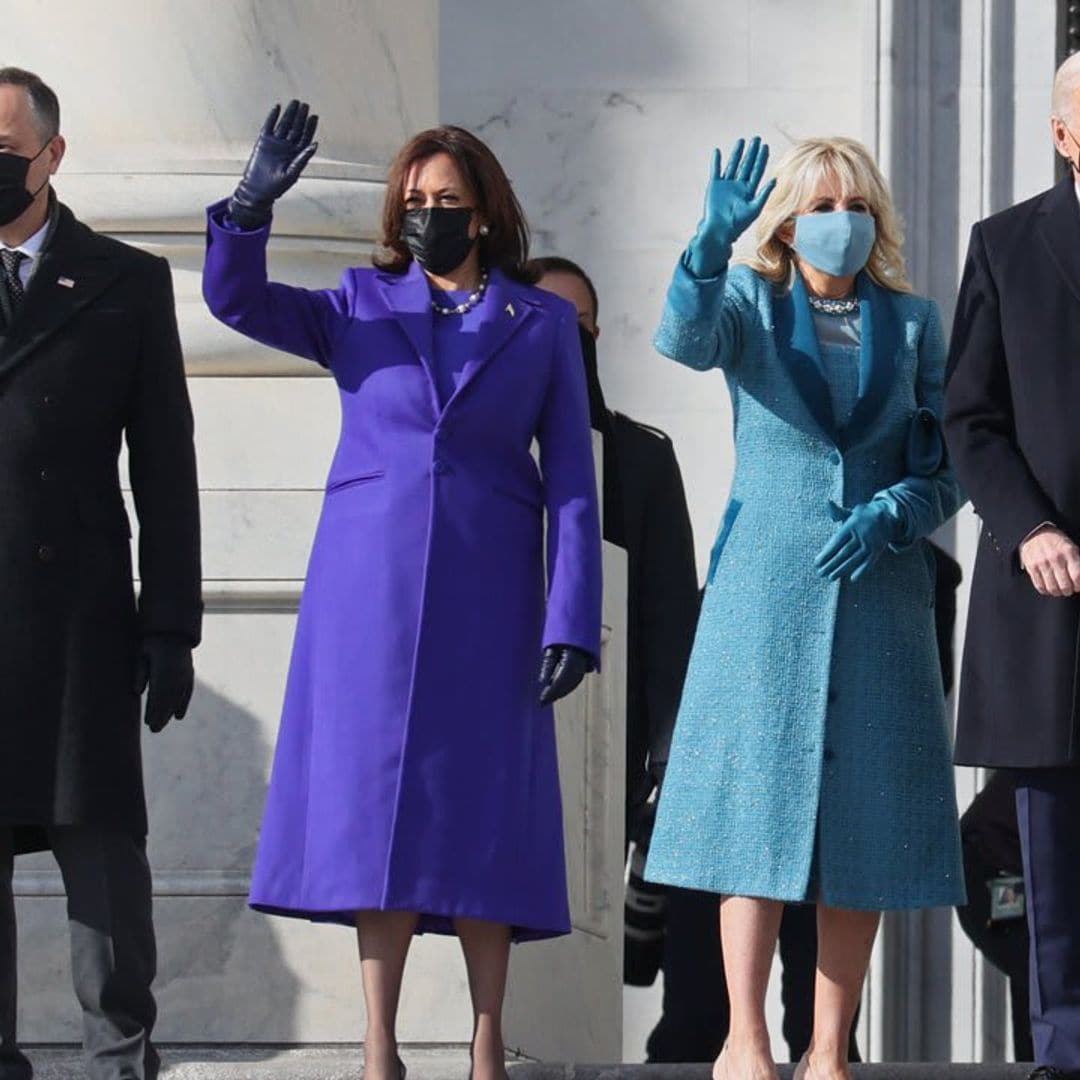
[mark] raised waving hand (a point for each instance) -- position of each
(281, 151)
(732, 203)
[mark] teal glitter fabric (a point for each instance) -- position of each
(811, 758)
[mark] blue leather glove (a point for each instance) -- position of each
(860, 541)
(732, 203)
(562, 668)
(278, 158)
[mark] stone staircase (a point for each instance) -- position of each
(447, 1063)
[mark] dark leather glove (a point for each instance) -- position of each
(561, 669)
(281, 151)
(165, 666)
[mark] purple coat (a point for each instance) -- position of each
(415, 769)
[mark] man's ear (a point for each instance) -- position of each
(1057, 132)
(56, 153)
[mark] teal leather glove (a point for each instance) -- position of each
(732, 203)
(860, 541)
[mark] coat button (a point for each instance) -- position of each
(439, 467)
(44, 474)
(831, 696)
(46, 553)
(47, 399)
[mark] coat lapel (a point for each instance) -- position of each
(507, 310)
(880, 337)
(797, 345)
(76, 267)
(1059, 223)
(408, 298)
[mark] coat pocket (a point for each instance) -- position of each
(730, 514)
(347, 482)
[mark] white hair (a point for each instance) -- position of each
(1066, 86)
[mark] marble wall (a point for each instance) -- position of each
(605, 115)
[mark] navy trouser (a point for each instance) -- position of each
(1048, 813)
(113, 958)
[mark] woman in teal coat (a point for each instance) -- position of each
(811, 758)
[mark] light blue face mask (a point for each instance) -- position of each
(837, 243)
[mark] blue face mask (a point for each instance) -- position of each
(837, 243)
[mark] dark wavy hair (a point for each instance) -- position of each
(506, 246)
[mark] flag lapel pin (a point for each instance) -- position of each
(68, 283)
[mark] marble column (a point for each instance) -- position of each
(160, 104)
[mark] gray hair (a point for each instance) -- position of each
(44, 104)
(1066, 85)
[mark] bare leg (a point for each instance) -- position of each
(845, 939)
(486, 946)
(384, 938)
(748, 931)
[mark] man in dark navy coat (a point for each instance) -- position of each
(89, 355)
(1012, 423)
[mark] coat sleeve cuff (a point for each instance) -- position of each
(693, 298)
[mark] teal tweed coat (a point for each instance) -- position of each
(811, 758)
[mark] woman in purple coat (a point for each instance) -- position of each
(415, 783)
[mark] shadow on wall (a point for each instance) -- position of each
(221, 973)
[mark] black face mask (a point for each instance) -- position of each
(15, 200)
(598, 413)
(438, 237)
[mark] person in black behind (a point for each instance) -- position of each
(644, 512)
(89, 354)
(991, 843)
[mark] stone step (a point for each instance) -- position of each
(446, 1063)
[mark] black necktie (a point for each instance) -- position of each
(12, 282)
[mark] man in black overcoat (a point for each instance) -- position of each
(1011, 423)
(89, 355)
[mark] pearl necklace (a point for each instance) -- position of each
(467, 304)
(848, 306)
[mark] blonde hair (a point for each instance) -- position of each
(798, 175)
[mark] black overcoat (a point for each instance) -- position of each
(1012, 423)
(92, 356)
(645, 512)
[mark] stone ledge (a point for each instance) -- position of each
(447, 1063)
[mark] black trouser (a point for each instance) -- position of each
(1003, 943)
(696, 1012)
(113, 955)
